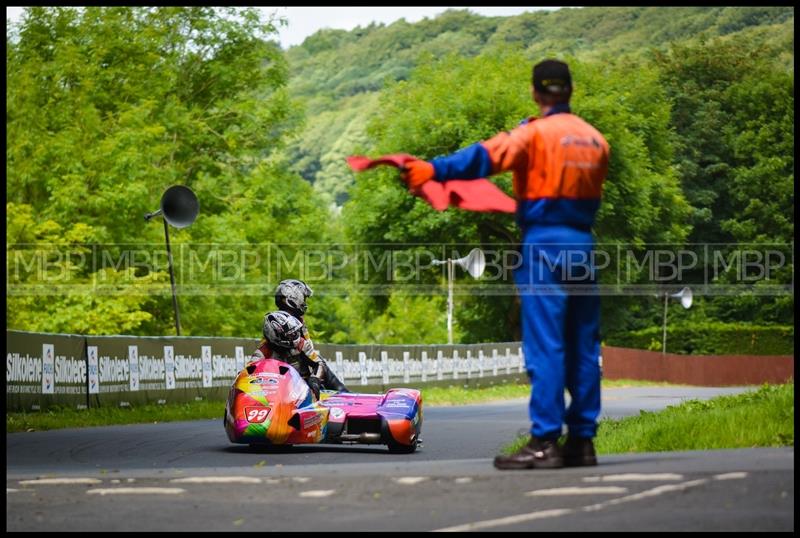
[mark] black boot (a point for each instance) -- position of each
(579, 452)
(537, 454)
(330, 381)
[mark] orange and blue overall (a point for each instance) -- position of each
(559, 163)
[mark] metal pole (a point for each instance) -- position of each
(664, 339)
(449, 301)
(172, 280)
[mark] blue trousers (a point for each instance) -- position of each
(560, 329)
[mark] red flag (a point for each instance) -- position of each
(469, 194)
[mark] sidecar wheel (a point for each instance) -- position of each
(398, 448)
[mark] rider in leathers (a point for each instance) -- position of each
(290, 297)
(283, 340)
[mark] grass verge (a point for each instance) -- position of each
(57, 418)
(463, 396)
(209, 409)
(757, 418)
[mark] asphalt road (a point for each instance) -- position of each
(448, 484)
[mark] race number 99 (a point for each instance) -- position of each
(256, 414)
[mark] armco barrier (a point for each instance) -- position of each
(46, 370)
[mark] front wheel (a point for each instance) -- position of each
(398, 448)
(267, 447)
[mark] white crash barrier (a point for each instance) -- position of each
(404, 365)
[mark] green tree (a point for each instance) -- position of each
(734, 114)
(43, 253)
(333, 68)
(107, 107)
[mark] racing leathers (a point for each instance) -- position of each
(329, 379)
(305, 359)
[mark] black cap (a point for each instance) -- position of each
(552, 77)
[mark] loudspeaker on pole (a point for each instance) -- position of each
(685, 295)
(474, 262)
(179, 206)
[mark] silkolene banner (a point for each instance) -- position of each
(165, 369)
(43, 370)
(47, 370)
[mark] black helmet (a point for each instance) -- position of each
(290, 296)
(282, 330)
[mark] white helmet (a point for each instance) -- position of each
(290, 296)
(282, 330)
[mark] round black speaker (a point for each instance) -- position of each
(179, 206)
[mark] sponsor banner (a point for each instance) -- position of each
(239, 351)
(43, 370)
(166, 369)
(94, 370)
(133, 367)
(206, 362)
(169, 367)
(49, 369)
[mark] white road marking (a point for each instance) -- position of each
(57, 481)
(301, 479)
(217, 480)
(510, 520)
(633, 477)
(318, 493)
(11, 490)
(463, 480)
(659, 490)
(730, 476)
(410, 480)
(577, 491)
(543, 514)
(115, 481)
(136, 491)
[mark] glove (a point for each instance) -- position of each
(416, 173)
(314, 384)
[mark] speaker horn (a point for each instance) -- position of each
(179, 206)
(474, 262)
(685, 295)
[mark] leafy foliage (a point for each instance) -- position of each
(106, 107)
(712, 338)
(125, 305)
(733, 108)
(109, 106)
(332, 67)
